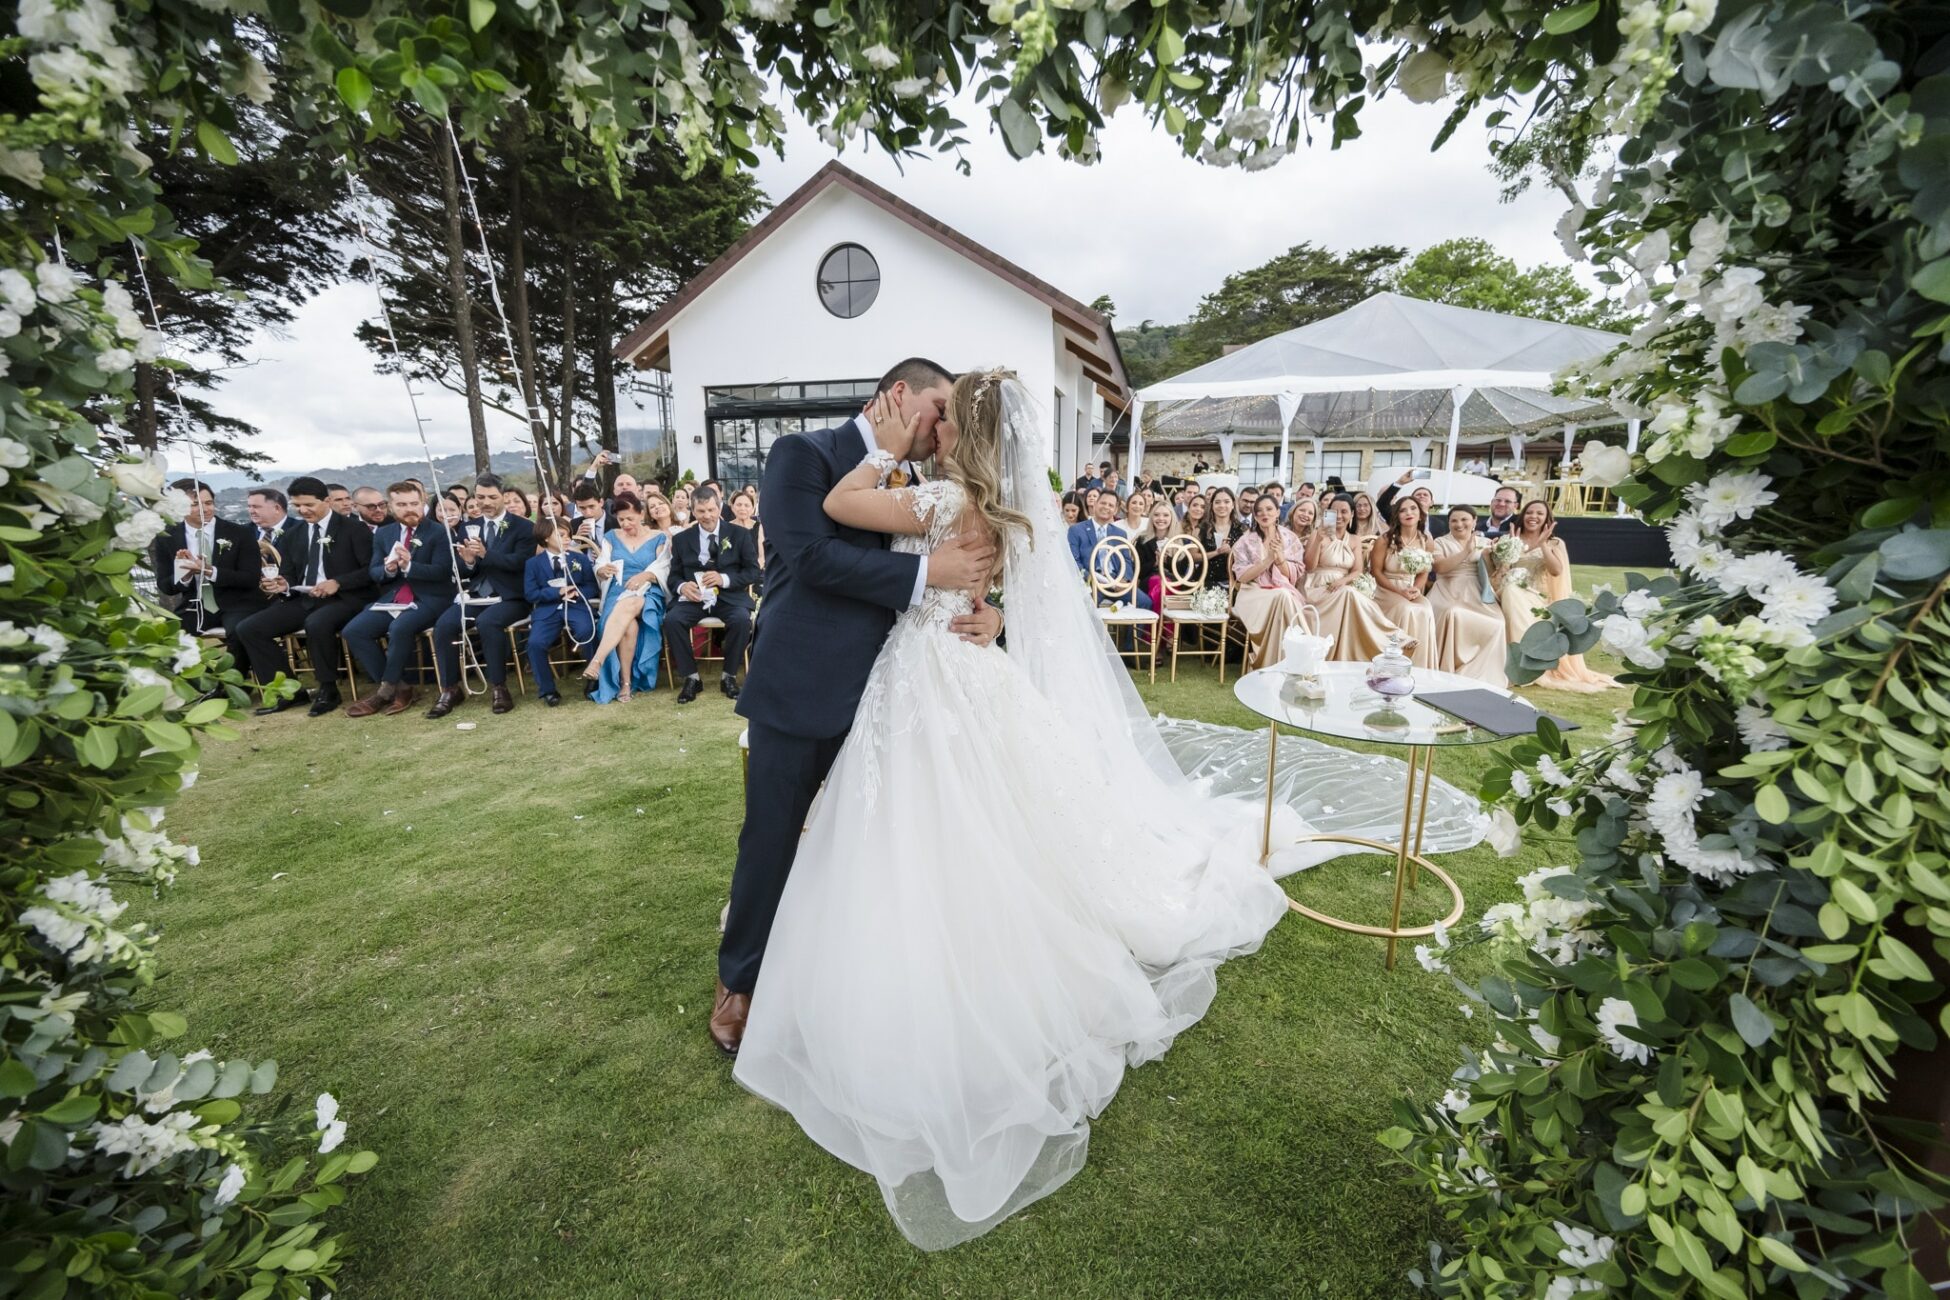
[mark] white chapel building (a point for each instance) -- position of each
(790, 329)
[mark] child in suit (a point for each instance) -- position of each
(560, 584)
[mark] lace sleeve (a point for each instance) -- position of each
(883, 463)
(936, 503)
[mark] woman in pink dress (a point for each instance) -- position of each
(1268, 562)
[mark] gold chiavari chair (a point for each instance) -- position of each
(1114, 583)
(1181, 572)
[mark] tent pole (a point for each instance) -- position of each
(1457, 396)
(1137, 439)
(1631, 448)
(1570, 432)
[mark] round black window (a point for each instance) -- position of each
(849, 281)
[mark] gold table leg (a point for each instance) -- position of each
(1272, 757)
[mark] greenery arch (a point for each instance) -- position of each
(1698, 1013)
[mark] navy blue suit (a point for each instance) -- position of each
(831, 594)
(497, 573)
(1083, 541)
(551, 610)
(345, 556)
(429, 576)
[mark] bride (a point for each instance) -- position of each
(1008, 892)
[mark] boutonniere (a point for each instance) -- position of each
(417, 541)
(223, 544)
(327, 541)
(724, 547)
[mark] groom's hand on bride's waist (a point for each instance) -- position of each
(962, 563)
(980, 625)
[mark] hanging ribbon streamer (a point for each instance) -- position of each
(175, 396)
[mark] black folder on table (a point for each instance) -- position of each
(1503, 714)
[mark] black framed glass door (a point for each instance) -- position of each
(743, 423)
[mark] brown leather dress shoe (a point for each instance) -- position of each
(403, 698)
(448, 698)
(728, 1013)
(366, 706)
(503, 702)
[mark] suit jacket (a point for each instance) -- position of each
(1083, 540)
(347, 557)
(431, 571)
(831, 593)
(1488, 529)
(501, 572)
(162, 559)
(538, 573)
(735, 556)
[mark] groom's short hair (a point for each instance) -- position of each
(915, 372)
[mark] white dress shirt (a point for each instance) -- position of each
(871, 446)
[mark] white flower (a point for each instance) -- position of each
(1687, 287)
(1675, 795)
(1735, 294)
(256, 83)
(189, 653)
(1772, 323)
(14, 455)
(1251, 123)
(1423, 77)
(1613, 1015)
(328, 1109)
(142, 479)
(1583, 1248)
(575, 71)
(1425, 956)
(113, 361)
(1729, 496)
(1705, 243)
(1653, 252)
(1468, 1012)
(1567, 231)
(1629, 639)
(1563, 1288)
(57, 282)
(233, 1183)
(138, 530)
(146, 1145)
(24, 166)
(1505, 836)
(1802, 601)
(1520, 783)
(1002, 12)
(880, 58)
(63, 933)
(1562, 807)
(909, 88)
(333, 1135)
(52, 643)
(17, 291)
(1759, 730)
(1605, 466)
(1547, 1042)
(772, 11)
(1640, 604)
(9, 324)
(1455, 1101)
(1548, 769)
(6, 573)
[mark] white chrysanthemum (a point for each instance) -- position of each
(1553, 774)
(1734, 494)
(1615, 1014)
(1520, 783)
(772, 11)
(17, 291)
(1756, 572)
(63, 933)
(1675, 795)
(909, 88)
(1733, 296)
(1705, 243)
(880, 58)
(146, 1145)
(1802, 600)
(85, 894)
(1772, 323)
(1759, 730)
(53, 643)
(232, 1183)
(56, 283)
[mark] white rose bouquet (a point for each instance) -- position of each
(1515, 578)
(1508, 550)
(1210, 602)
(1416, 560)
(1363, 583)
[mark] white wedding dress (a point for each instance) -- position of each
(1002, 899)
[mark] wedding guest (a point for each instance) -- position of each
(471, 506)
(560, 584)
(1502, 518)
(1110, 483)
(339, 498)
(1196, 511)
(593, 519)
(1248, 501)
(322, 586)
(1090, 496)
(517, 504)
(1160, 528)
(1072, 508)
(1270, 565)
(1220, 533)
(712, 570)
(657, 511)
(1469, 635)
(1367, 521)
(1100, 527)
(271, 518)
(1401, 594)
(494, 552)
(625, 485)
(1385, 503)
(449, 514)
(1137, 514)
(1302, 517)
(680, 506)
(1348, 615)
(1539, 577)
(413, 566)
(457, 493)
(634, 568)
(552, 505)
(369, 503)
(194, 560)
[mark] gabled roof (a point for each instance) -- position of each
(1093, 341)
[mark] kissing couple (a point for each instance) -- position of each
(931, 960)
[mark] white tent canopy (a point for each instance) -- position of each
(1388, 367)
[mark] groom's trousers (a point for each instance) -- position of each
(784, 776)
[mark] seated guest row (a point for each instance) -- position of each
(610, 583)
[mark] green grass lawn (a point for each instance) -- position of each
(497, 948)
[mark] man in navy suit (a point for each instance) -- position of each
(412, 564)
(493, 558)
(716, 561)
(831, 594)
(325, 581)
(1102, 524)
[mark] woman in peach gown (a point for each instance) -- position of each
(1351, 617)
(1469, 636)
(1269, 563)
(1403, 596)
(1541, 576)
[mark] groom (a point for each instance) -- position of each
(831, 594)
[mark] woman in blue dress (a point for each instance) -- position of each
(632, 616)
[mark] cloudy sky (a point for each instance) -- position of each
(1151, 228)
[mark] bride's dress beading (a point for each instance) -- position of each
(985, 924)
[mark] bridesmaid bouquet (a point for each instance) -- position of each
(1416, 560)
(1363, 583)
(1515, 578)
(1210, 602)
(1508, 550)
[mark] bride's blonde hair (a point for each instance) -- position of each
(975, 407)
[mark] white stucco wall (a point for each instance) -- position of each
(763, 322)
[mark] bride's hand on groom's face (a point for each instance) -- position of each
(890, 429)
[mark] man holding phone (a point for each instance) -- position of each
(321, 586)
